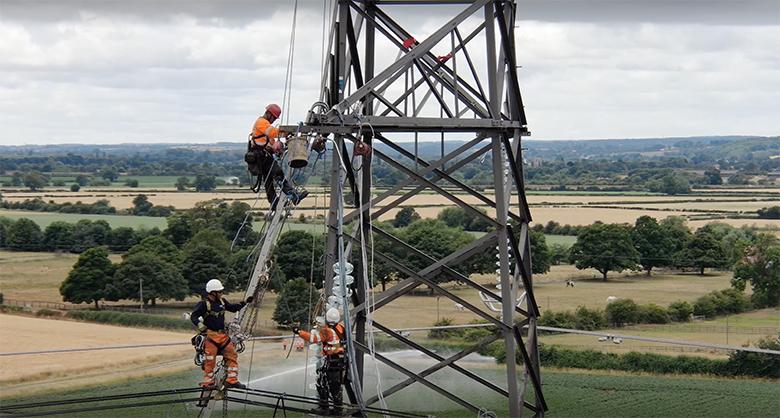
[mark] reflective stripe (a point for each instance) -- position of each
(232, 368)
(209, 374)
(232, 375)
(268, 130)
(312, 338)
(209, 357)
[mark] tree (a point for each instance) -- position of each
(75, 187)
(87, 281)
(771, 212)
(17, 179)
(653, 244)
(180, 229)
(604, 247)
(559, 253)
(58, 236)
(88, 234)
(702, 251)
(24, 235)
(293, 255)
(405, 217)
(131, 183)
(713, 176)
(434, 238)
(141, 205)
(458, 217)
(677, 232)
(161, 279)
(293, 305)
(182, 183)
(680, 311)
(122, 238)
(82, 180)
(205, 257)
(761, 267)
(35, 181)
(110, 174)
(204, 183)
(5, 223)
(540, 254)
(158, 246)
(621, 312)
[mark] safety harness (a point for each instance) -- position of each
(199, 341)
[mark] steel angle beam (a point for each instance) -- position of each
(535, 381)
(394, 70)
(428, 170)
(409, 284)
(443, 362)
(416, 177)
(419, 379)
(476, 247)
(466, 304)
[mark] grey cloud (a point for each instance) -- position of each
(240, 12)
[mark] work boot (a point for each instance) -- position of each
(296, 197)
(235, 385)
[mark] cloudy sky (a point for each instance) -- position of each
(201, 71)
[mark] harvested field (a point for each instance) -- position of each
(20, 333)
(35, 276)
(742, 206)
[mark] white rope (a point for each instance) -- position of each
(289, 73)
(369, 296)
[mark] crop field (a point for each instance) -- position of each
(43, 219)
(568, 393)
(35, 276)
(741, 330)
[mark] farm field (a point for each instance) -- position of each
(711, 331)
(43, 219)
(35, 276)
(569, 393)
(21, 334)
(19, 281)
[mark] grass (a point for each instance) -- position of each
(568, 393)
(565, 240)
(43, 219)
(35, 276)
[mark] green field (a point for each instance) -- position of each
(568, 394)
(43, 219)
(565, 240)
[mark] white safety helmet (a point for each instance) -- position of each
(332, 316)
(214, 285)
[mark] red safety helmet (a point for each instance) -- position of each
(274, 109)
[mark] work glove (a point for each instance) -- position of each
(277, 147)
(295, 329)
(202, 328)
(250, 300)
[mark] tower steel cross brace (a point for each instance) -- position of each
(475, 97)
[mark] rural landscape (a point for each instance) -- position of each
(389, 208)
(79, 232)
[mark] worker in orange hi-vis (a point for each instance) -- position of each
(264, 143)
(209, 317)
(331, 375)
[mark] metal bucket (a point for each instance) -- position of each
(298, 152)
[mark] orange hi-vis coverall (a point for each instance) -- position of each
(332, 373)
(263, 133)
(217, 339)
(329, 337)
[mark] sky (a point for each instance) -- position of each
(200, 71)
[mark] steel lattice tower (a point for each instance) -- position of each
(477, 97)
